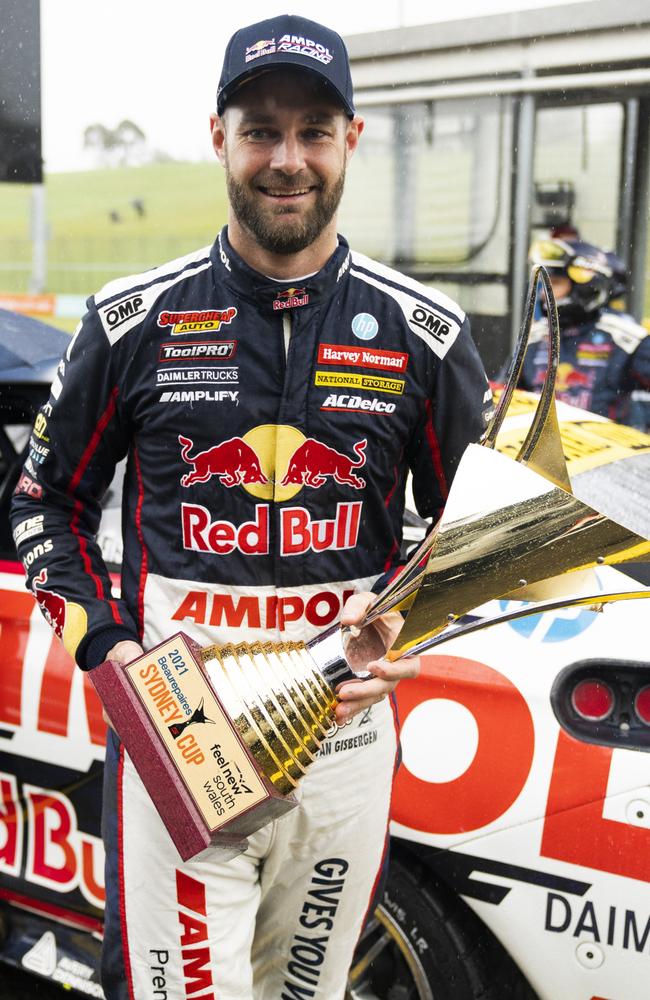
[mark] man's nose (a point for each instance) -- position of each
(288, 155)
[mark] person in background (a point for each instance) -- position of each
(604, 353)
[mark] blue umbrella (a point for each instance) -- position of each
(29, 349)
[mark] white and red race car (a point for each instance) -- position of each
(520, 858)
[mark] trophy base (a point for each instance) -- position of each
(198, 772)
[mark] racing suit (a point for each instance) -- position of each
(268, 430)
(604, 366)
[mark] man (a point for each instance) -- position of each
(604, 354)
(271, 393)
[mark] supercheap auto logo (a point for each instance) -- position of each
(196, 322)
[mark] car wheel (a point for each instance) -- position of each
(418, 946)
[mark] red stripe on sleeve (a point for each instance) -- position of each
(89, 451)
(143, 563)
(434, 448)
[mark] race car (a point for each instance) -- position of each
(519, 851)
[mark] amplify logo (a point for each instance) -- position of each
(196, 322)
(291, 298)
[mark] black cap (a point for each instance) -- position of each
(286, 40)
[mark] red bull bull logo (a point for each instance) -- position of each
(312, 462)
(52, 606)
(233, 461)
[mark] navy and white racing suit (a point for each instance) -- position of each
(604, 366)
(269, 428)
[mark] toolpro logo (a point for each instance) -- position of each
(198, 350)
(199, 321)
(273, 462)
(291, 298)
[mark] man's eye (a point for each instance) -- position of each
(315, 133)
(257, 134)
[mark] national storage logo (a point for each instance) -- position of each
(196, 322)
(355, 380)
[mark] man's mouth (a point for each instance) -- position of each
(283, 193)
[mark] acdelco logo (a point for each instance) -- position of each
(193, 322)
(203, 350)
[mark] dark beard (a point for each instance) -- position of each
(270, 234)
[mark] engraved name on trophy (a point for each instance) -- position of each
(221, 735)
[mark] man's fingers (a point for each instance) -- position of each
(356, 607)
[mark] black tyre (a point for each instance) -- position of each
(423, 943)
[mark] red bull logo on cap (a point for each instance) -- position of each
(265, 47)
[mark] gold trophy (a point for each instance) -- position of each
(222, 735)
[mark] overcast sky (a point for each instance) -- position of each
(157, 62)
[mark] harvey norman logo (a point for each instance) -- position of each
(196, 321)
(362, 357)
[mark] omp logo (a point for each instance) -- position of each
(425, 318)
(202, 350)
(121, 312)
(194, 322)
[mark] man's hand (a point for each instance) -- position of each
(355, 696)
(122, 652)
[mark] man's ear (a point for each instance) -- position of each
(218, 133)
(354, 130)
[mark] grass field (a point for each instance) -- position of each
(184, 206)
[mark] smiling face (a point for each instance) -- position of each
(285, 144)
